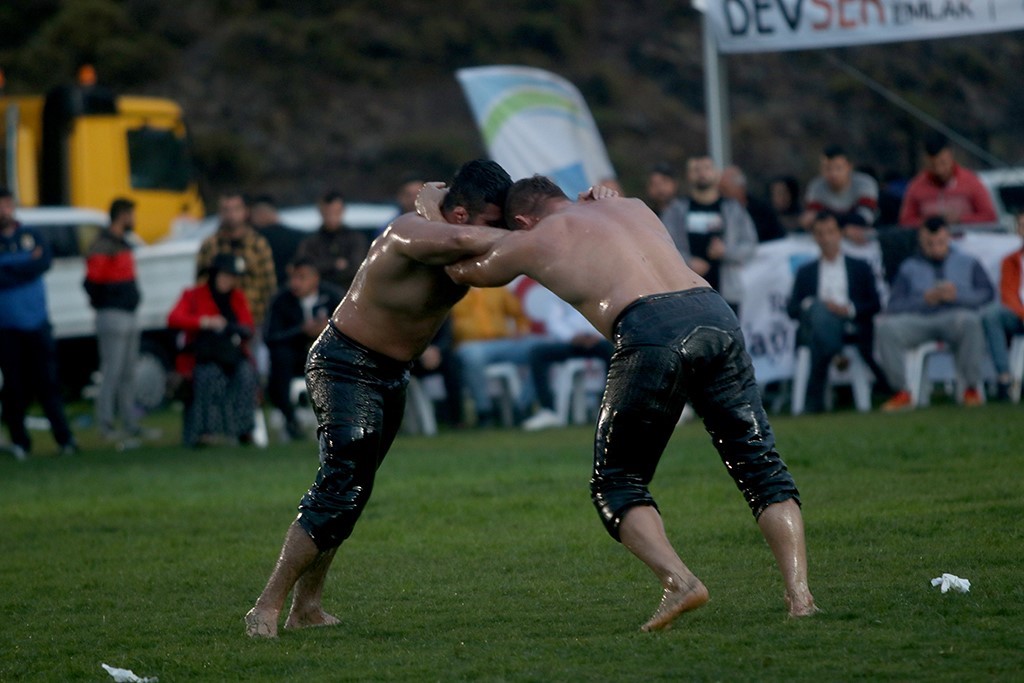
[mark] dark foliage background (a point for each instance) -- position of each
(295, 96)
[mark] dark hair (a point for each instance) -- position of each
(264, 199)
(476, 184)
(792, 186)
(832, 151)
(824, 215)
(231, 194)
(332, 196)
(934, 143)
(226, 263)
(527, 196)
(119, 207)
(664, 168)
(934, 223)
(5, 193)
(301, 261)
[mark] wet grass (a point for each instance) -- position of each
(481, 558)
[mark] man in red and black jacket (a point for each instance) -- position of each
(111, 285)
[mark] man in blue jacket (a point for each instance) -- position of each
(28, 356)
(936, 296)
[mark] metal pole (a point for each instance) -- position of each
(716, 98)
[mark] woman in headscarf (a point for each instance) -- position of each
(215, 358)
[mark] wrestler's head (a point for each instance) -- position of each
(528, 201)
(477, 194)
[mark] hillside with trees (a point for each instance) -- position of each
(295, 96)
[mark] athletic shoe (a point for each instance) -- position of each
(901, 401)
(544, 419)
(18, 452)
(972, 399)
(70, 448)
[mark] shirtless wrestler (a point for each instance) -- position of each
(357, 371)
(675, 340)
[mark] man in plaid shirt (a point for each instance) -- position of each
(235, 236)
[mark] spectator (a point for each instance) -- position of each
(236, 237)
(936, 296)
(114, 293)
(439, 358)
(835, 300)
(851, 195)
(28, 354)
(945, 189)
(489, 326)
(215, 358)
(784, 196)
(283, 241)
(1006, 316)
(733, 184)
(408, 188)
(298, 314)
(662, 188)
(714, 234)
(336, 249)
(569, 336)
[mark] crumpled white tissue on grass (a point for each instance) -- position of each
(948, 581)
(127, 675)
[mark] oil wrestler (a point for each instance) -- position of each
(676, 340)
(357, 372)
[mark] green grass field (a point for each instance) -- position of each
(480, 557)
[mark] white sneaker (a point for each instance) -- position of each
(544, 419)
(18, 452)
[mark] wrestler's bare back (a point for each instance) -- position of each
(599, 256)
(401, 293)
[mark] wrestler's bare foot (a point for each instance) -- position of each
(801, 605)
(310, 619)
(261, 623)
(675, 600)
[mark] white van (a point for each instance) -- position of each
(1006, 185)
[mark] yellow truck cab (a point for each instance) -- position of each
(81, 145)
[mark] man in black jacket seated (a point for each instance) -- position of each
(298, 313)
(835, 300)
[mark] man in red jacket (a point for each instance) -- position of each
(114, 294)
(945, 189)
(1006, 316)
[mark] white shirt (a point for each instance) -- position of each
(833, 284)
(307, 303)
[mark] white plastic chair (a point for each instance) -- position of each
(570, 387)
(857, 374)
(420, 407)
(508, 387)
(919, 381)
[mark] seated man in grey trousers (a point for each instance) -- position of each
(936, 296)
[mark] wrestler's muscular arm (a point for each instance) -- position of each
(438, 243)
(512, 255)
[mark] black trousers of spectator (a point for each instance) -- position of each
(544, 356)
(287, 361)
(28, 361)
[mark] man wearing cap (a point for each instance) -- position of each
(937, 295)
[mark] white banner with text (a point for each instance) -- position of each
(779, 25)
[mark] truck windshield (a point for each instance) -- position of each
(159, 160)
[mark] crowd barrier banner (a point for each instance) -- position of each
(779, 25)
(533, 121)
(768, 280)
